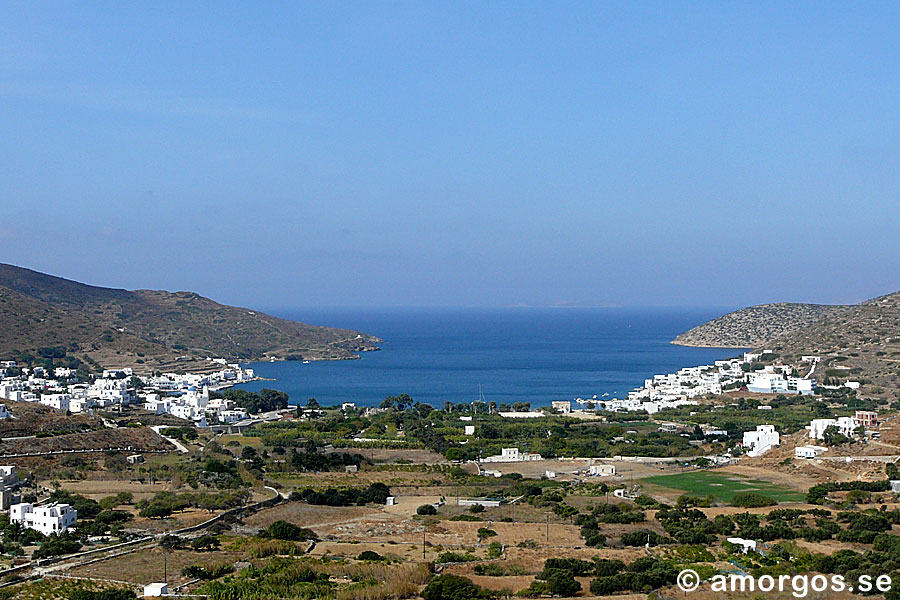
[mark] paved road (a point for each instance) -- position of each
(181, 447)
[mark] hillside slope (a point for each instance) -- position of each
(149, 329)
(755, 326)
(861, 343)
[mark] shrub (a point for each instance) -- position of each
(452, 587)
(282, 530)
(752, 500)
(370, 555)
(426, 509)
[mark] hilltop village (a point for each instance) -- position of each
(115, 482)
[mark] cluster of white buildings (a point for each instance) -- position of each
(196, 406)
(846, 426)
(680, 388)
(173, 393)
(778, 379)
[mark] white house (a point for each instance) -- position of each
(512, 455)
(57, 401)
(232, 415)
(561, 406)
(4, 414)
(808, 451)
(49, 520)
(602, 470)
(469, 430)
(845, 426)
(761, 441)
(745, 545)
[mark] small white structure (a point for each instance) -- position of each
(4, 414)
(49, 520)
(155, 590)
(746, 545)
(345, 406)
(761, 441)
(531, 414)
(492, 473)
(808, 451)
(601, 470)
(550, 474)
(390, 501)
(134, 459)
(563, 407)
(469, 430)
(486, 502)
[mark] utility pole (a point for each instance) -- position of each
(165, 569)
(423, 543)
(548, 527)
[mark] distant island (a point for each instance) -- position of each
(148, 330)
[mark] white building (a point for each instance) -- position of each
(4, 414)
(745, 545)
(486, 502)
(49, 520)
(155, 590)
(808, 451)
(761, 441)
(469, 430)
(846, 426)
(771, 382)
(232, 415)
(512, 455)
(57, 401)
(602, 470)
(561, 406)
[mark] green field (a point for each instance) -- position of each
(724, 486)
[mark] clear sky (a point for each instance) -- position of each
(446, 153)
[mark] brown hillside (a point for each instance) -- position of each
(152, 329)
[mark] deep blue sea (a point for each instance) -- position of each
(515, 354)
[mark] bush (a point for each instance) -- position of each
(453, 587)
(426, 509)
(113, 594)
(370, 555)
(642, 537)
(751, 500)
(205, 542)
(282, 530)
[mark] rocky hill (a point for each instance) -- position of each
(755, 326)
(861, 343)
(46, 316)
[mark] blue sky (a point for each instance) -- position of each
(458, 154)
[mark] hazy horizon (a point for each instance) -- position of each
(412, 154)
